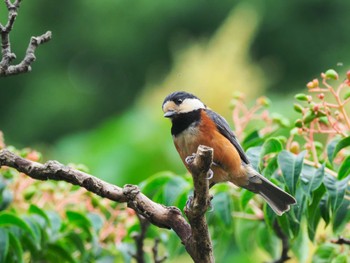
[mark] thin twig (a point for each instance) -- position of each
(341, 240)
(156, 258)
(139, 239)
(6, 69)
(194, 236)
(285, 243)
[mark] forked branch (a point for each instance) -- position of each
(194, 235)
(6, 68)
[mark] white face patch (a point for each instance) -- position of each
(189, 105)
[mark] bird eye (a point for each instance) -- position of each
(178, 101)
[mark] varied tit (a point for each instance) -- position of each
(194, 124)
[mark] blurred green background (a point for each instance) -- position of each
(95, 93)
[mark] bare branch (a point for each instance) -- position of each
(194, 236)
(285, 243)
(341, 240)
(139, 238)
(6, 69)
(200, 242)
(156, 258)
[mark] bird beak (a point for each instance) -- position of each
(169, 114)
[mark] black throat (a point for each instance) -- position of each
(183, 120)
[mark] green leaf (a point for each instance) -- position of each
(341, 145)
(341, 258)
(253, 154)
(271, 167)
(300, 247)
(4, 244)
(152, 184)
(33, 209)
(285, 225)
(15, 246)
(312, 180)
(300, 207)
(324, 209)
(342, 217)
(59, 251)
(344, 169)
(272, 145)
(6, 198)
(313, 211)
(269, 217)
(78, 218)
(291, 166)
(336, 190)
(55, 223)
(222, 208)
(331, 148)
(96, 221)
(324, 253)
(7, 219)
(245, 198)
(267, 241)
(77, 241)
(252, 139)
(34, 224)
(245, 234)
(173, 188)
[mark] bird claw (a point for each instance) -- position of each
(211, 208)
(189, 202)
(211, 174)
(190, 159)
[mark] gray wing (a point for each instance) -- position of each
(224, 128)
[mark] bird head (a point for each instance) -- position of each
(180, 102)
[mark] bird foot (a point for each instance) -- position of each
(189, 202)
(210, 174)
(190, 159)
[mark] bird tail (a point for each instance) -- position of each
(277, 199)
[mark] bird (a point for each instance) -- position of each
(194, 124)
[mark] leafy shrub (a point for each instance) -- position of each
(311, 161)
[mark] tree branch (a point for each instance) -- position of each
(139, 239)
(341, 240)
(156, 258)
(194, 236)
(200, 241)
(285, 243)
(6, 68)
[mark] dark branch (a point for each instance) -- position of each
(194, 236)
(341, 240)
(195, 210)
(139, 240)
(285, 243)
(156, 258)
(6, 69)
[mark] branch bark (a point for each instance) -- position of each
(285, 243)
(341, 240)
(196, 208)
(6, 69)
(194, 236)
